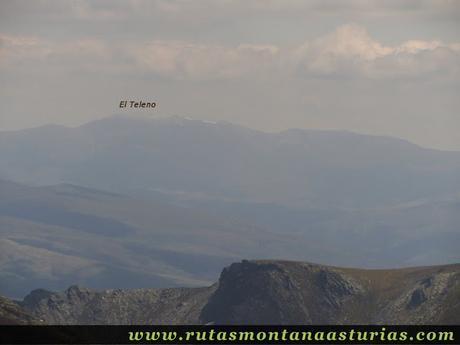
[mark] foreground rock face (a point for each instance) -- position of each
(11, 313)
(282, 293)
(269, 292)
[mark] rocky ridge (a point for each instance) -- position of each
(266, 292)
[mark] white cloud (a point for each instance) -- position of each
(346, 50)
(20, 50)
(416, 46)
(349, 51)
(182, 60)
(14, 48)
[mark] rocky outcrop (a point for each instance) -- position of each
(434, 298)
(283, 292)
(11, 313)
(79, 305)
(267, 292)
(280, 293)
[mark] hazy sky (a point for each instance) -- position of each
(378, 67)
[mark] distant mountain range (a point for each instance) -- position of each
(130, 202)
(261, 292)
(203, 160)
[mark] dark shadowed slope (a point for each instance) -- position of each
(11, 313)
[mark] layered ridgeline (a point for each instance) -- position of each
(266, 292)
(202, 160)
(56, 236)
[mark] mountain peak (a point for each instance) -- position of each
(288, 292)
